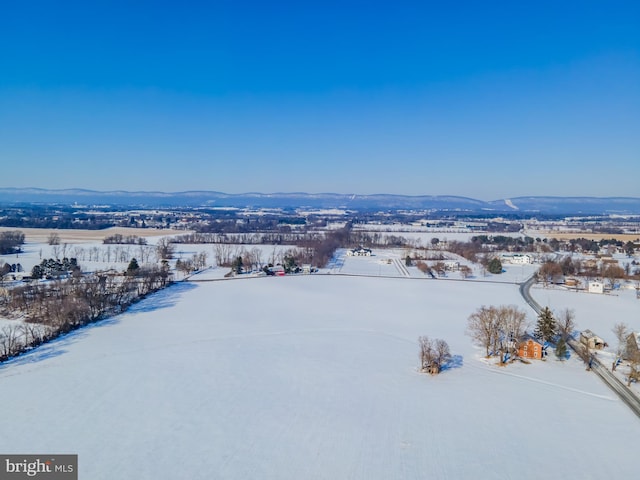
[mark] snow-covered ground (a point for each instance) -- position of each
(390, 262)
(309, 377)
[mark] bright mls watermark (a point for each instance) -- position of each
(49, 467)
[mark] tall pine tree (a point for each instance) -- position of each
(546, 326)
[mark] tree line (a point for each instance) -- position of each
(551, 269)
(11, 242)
(57, 307)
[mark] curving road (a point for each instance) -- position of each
(625, 394)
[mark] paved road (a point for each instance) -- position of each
(626, 395)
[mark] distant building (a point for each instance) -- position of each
(517, 258)
(572, 282)
(596, 287)
(591, 340)
(452, 265)
(359, 252)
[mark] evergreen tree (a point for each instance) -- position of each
(133, 267)
(37, 272)
(561, 349)
(237, 265)
(289, 264)
(495, 266)
(546, 325)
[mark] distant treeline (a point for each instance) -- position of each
(118, 239)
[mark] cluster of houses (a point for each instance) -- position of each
(530, 348)
(593, 286)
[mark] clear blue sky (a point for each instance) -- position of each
(480, 99)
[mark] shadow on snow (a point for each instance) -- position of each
(165, 298)
(455, 362)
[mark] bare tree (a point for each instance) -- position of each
(442, 354)
(427, 352)
(565, 323)
(612, 273)
(621, 331)
(482, 327)
(465, 271)
(165, 249)
(440, 268)
(223, 254)
(9, 341)
(53, 239)
(511, 326)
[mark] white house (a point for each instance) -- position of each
(452, 265)
(522, 259)
(517, 258)
(359, 252)
(596, 287)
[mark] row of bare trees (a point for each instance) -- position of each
(316, 250)
(257, 238)
(197, 262)
(118, 238)
(119, 253)
(53, 308)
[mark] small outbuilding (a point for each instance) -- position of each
(591, 340)
(596, 287)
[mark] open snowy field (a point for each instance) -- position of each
(310, 377)
(390, 262)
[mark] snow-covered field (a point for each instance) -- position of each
(390, 263)
(309, 377)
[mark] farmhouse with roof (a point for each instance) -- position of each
(531, 348)
(591, 340)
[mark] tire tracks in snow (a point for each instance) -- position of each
(543, 382)
(37, 365)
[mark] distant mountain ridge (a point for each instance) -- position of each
(525, 205)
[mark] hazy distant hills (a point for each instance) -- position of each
(543, 205)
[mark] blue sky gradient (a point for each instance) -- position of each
(480, 99)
